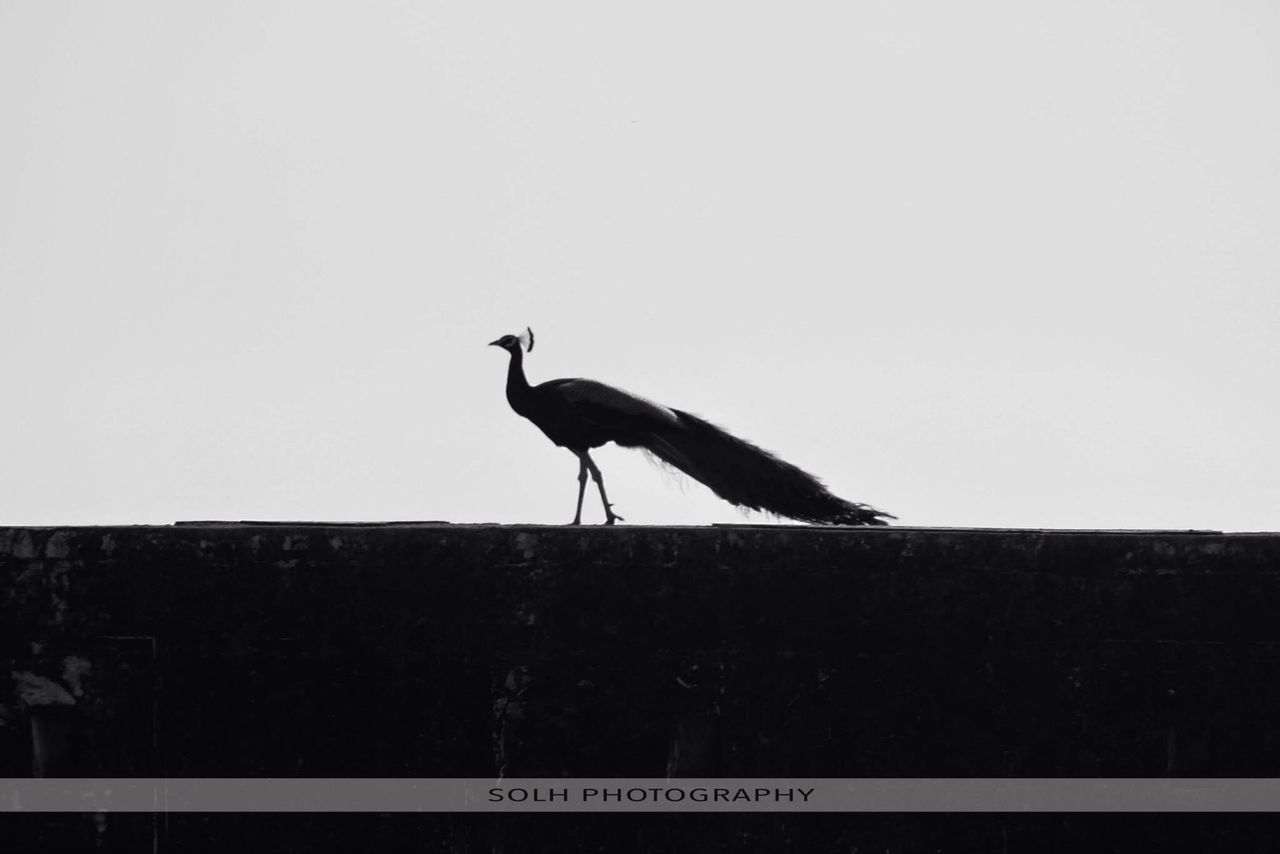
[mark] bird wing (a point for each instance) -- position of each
(609, 406)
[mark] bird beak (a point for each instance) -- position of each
(494, 343)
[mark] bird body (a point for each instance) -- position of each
(580, 414)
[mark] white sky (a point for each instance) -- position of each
(981, 263)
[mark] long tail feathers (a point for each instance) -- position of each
(748, 476)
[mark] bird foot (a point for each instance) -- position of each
(612, 517)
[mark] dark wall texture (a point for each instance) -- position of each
(469, 651)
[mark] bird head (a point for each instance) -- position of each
(512, 343)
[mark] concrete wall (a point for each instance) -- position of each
(440, 650)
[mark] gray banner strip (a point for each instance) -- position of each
(640, 795)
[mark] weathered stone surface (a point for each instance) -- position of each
(442, 650)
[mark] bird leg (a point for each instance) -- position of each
(609, 516)
(582, 487)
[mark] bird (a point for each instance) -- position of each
(581, 414)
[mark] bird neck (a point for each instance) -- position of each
(517, 385)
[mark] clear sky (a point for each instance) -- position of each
(981, 263)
